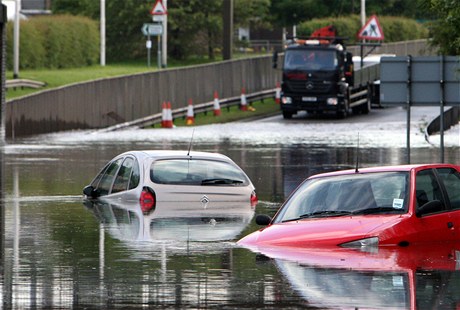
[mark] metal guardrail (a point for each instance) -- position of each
(198, 108)
(21, 83)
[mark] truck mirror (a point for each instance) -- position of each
(275, 60)
(349, 57)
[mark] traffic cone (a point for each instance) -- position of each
(190, 120)
(244, 102)
(164, 115)
(278, 93)
(216, 104)
(168, 114)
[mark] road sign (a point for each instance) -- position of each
(152, 29)
(158, 9)
(371, 30)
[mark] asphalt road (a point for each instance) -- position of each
(379, 115)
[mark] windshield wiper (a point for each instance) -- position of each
(323, 213)
(378, 210)
(222, 181)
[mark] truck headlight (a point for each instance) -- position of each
(332, 101)
(286, 100)
(366, 242)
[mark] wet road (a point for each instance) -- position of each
(59, 252)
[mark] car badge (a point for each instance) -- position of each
(309, 85)
(204, 201)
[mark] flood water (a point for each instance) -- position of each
(59, 252)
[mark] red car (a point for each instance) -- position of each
(380, 206)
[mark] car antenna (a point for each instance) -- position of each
(357, 156)
(190, 145)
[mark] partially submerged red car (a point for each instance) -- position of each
(380, 206)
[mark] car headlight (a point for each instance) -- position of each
(286, 100)
(332, 101)
(366, 242)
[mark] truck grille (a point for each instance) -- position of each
(308, 86)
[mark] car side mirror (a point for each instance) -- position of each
(263, 220)
(429, 207)
(89, 191)
(275, 60)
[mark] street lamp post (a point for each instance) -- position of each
(16, 39)
(102, 32)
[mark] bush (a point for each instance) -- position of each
(60, 41)
(394, 28)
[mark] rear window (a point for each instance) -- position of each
(197, 172)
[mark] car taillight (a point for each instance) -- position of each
(254, 199)
(147, 200)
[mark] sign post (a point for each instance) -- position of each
(159, 14)
(370, 31)
(151, 29)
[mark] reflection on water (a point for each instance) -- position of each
(175, 222)
(417, 277)
(59, 252)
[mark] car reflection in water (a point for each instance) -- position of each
(418, 277)
(173, 221)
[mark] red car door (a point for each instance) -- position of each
(438, 224)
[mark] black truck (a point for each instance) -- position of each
(318, 77)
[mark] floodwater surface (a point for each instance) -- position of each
(59, 251)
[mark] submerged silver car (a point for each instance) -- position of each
(151, 176)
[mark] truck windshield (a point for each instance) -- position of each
(308, 59)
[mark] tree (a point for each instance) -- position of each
(445, 29)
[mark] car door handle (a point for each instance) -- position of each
(450, 225)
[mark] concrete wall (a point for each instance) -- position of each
(106, 102)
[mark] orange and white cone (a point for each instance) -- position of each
(244, 102)
(216, 104)
(169, 120)
(164, 115)
(278, 93)
(190, 120)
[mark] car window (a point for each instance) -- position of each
(107, 178)
(427, 188)
(451, 179)
(123, 176)
(197, 172)
(135, 176)
(369, 193)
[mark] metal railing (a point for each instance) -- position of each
(199, 108)
(21, 83)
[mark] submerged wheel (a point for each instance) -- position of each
(287, 114)
(366, 108)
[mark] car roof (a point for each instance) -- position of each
(163, 154)
(396, 168)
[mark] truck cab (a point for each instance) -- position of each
(317, 76)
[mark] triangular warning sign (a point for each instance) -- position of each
(371, 30)
(158, 8)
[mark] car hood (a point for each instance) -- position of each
(321, 231)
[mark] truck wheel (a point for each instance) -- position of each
(343, 113)
(366, 108)
(287, 114)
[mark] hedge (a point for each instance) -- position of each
(57, 41)
(394, 28)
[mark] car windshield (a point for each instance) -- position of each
(303, 59)
(353, 194)
(197, 172)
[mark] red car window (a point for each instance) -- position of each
(427, 188)
(451, 180)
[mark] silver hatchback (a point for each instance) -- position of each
(152, 176)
